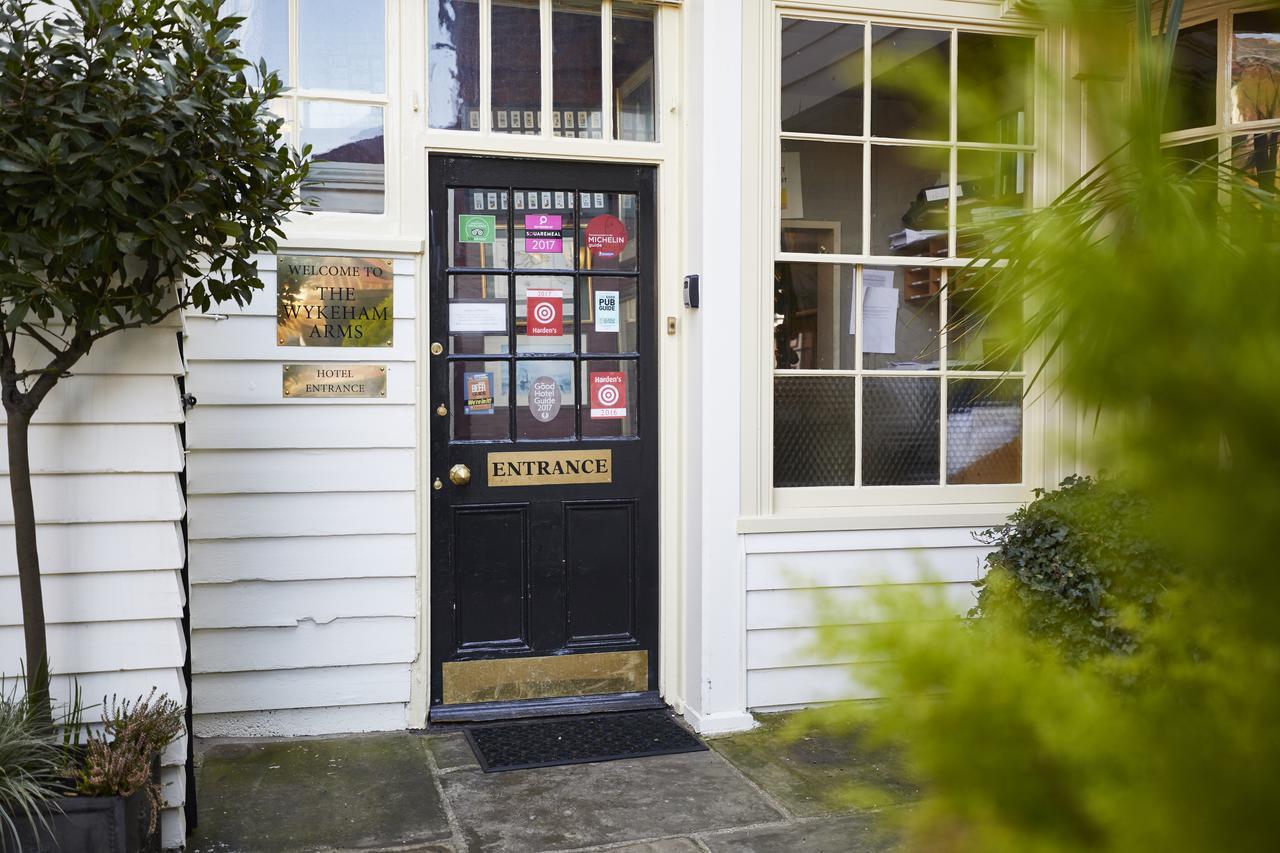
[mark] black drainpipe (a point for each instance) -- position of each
(188, 402)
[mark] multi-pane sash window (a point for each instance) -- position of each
(899, 147)
(579, 69)
(331, 55)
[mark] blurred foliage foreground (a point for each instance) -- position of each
(1135, 706)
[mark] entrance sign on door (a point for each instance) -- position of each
(608, 395)
(550, 467)
(606, 310)
(546, 313)
(542, 233)
(606, 236)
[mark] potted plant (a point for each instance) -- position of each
(106, 790)
(29, 764)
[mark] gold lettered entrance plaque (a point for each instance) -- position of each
(333, 302)
(550, 467)
(335, 380)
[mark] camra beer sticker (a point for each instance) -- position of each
(608, 395)
(334, 302)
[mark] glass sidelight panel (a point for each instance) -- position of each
(576, 106)
(984, 431)
(479, 397)
(610, 314)
(546, 313)
(517, 67)
(634, 80)
(545, 229)
(900, 431)
(478, 315)
(609, 231)
(453, 75)
(477, 226)
(545, 402)
(610, 398)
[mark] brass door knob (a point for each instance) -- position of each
(459, 475)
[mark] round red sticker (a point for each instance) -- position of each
(606, 236)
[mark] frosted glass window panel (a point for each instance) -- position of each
(814, 430)
(993, 88)
(453, 64)
(577, 102)
(822, 70)
(634, 81)
(342, 45)
(264, 33)
(910, 83)
(1193, 78)
(900, 434)
(347, 151)
(1255, 66)
(517, 68)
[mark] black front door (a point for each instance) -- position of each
(544, 454)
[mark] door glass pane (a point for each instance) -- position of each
(814, 431)
(347, 154)
(517, 71)
(984, 431)
(609, 399)
(611, 321)
(634, 81)
(575, 69)
(479, 395)
(821, 197)
(545, 406)
(993, 88)
(478, 227)
(813, 317)
(545, 228)
(545, 313)
(478, 314)
(1255, 66)
(609, 231)
(994, 186)
(900, 311)
(453, 64)
(1193, 79)
(910, 200)
(822, 69)
(341, 45)
(900, 438)
(910, 83)
(264, 33)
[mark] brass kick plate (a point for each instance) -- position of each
(545, 677)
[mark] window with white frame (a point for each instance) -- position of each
(1224, 92)
(489, 63)
(898, 148)
(331, 55)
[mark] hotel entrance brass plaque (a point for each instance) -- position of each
(333, 302)
(335, 380)
(550, 467)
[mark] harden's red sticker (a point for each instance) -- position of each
(608, 395)
(606, 236)
(546, 313)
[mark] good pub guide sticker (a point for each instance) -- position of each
(606, 310)
(546, 313)
(608, 395)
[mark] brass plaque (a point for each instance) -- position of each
(333, 302)
(335, 380)
(545, 677)
(550, 467)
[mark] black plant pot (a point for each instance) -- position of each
(94, 825)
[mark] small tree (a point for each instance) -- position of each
(140, 171)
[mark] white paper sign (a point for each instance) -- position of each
(606, 310)
(478, 317)
(870, 278)
(879, 319)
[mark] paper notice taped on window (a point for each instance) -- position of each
(879, 319)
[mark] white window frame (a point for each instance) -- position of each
(817, 501)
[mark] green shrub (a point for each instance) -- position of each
(1081, 564)
(29, 763)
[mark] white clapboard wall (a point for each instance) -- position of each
(106, 456)
(303, 549)
(797, 582)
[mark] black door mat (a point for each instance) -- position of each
(578, 740)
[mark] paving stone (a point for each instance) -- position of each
(554, 808)
(814, 773)
(356, 792)
(860, 833)
(665, 845)
(451, 751)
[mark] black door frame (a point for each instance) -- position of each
(445, 170)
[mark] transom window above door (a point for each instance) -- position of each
(899, 150)
(576, 69)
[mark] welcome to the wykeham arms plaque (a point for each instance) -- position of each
(550, 467)
(333, 301)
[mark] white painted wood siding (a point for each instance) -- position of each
(303, 529)
(106, 458)
(799, 581)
